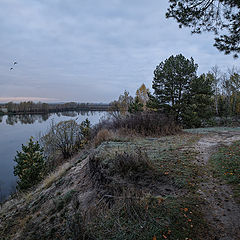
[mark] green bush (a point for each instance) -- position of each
(30, 165)
(85, 132)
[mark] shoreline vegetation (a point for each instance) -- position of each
(44, 108)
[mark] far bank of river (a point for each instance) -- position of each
(16, 130)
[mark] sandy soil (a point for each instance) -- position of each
(219, 206)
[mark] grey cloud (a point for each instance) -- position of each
(91, 50)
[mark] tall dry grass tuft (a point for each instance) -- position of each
(149, 123)
(143, 123)
(123, 171)
(102, 136)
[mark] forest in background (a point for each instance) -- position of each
(213, 98)
(30, 107)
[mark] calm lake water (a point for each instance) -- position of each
(16, 130)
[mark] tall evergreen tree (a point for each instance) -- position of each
(198, 104)
(171, 83)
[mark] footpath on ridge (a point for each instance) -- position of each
(220, 208)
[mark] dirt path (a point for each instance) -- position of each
(219, 206)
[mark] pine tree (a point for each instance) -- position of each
(171, 83)
(30, 165)
(198, 104)
(222, 17)
(179, 91)
(136, 106)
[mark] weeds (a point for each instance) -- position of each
(76, 229)
(123, 164)
(144, 218)
(102, 136)
(61, 201)
(111, 176)
(161, 159)
(227, 166)
(131, 194)
(145, 124)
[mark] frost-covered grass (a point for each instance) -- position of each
(154, 215)
(157, 197)
(212, 129)
(226, 165)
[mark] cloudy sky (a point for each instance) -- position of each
(91, 50)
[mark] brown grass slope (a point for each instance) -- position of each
(138, 189)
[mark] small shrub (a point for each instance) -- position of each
(30, 165)
(102, 136)
(66, 137)
(85, 132)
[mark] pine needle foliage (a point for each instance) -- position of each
(30, 165)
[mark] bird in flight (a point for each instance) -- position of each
(14, 63)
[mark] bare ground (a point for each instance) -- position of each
(219, 207)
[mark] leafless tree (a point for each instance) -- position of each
(216, 73)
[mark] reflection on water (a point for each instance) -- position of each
(26, 119)
(16, 130)
(30, 119)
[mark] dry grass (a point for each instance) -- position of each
(144, 124)
(52, 177)
(127, 192)
(28, 197)
(112, 176)
(102, 136)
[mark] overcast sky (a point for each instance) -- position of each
(91, 50)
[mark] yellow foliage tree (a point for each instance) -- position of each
(142, 95)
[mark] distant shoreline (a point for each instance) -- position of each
(55, 109)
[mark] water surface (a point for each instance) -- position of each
(16, 130)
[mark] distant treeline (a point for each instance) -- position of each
(29, 118)
(41, 108)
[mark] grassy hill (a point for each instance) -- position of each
(138, 188)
